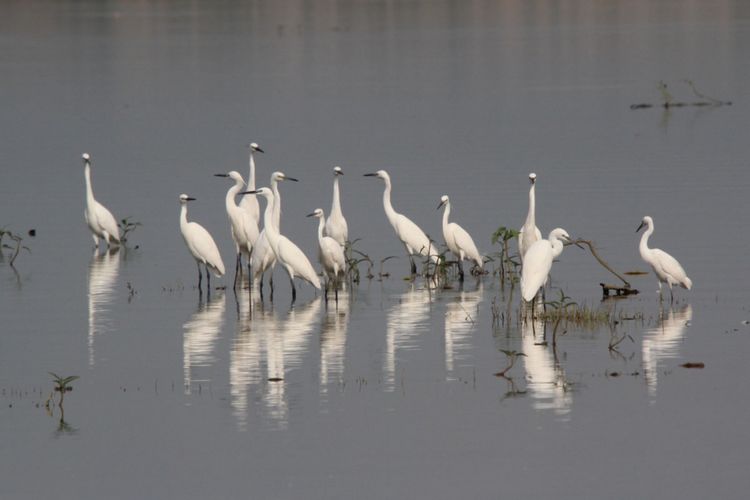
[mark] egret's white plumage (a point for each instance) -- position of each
(330, 252)
(200, 244)
(538, 262)
(250, 203)
(263, 256)
(335, 226)
(457, 239)
(529, 233)
(414, 239)
(244, 229)
(287, 253)
(666, 267)
(101, 222)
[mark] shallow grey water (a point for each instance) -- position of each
(393, 393)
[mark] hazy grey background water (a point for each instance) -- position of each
(391, 395)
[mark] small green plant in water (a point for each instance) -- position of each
(62, 385)
(127, 226)
(508, 263)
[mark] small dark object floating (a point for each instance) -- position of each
(693, 365)
(275, 379)
(32, 232)
(617, 290)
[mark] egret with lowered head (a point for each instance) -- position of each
(538, 262)
(414, 239)
(201, 245)
(666, 268)
(457, 239)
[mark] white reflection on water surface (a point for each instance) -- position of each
(461, 315)
(544, 376)
(663, 342)
(333, 342)
(202, 331)
(103, 272)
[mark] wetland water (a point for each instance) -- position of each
(393, 393)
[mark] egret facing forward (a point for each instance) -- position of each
(413, 238)
(287, 253)
(330, 253)
(201, 245)
(100, 220)
(263, 256)
(529, 233)
(457, 239)
(244, 228)
(538, 262)
(250, 203)
(336, 226)
(666, 268)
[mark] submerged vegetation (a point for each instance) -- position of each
(14, 248)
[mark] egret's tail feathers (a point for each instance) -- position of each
(687, 283)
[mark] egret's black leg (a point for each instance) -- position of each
(237, 266)
(294, 289)
(200, 277)
(460, 270)
(208, 282)
(413, 266)
(270, 282)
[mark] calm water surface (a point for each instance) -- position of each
(392, 393)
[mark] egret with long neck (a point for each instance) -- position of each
(101, 222)
(330, 254)
(250, 203)
(529, 233)
(666, 268)
(413, 238)
(201, 245)
(336, 226)
(458, 240)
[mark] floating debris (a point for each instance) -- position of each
(693, 365)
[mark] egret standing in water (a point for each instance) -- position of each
(244, 228)
(250, 203)
(413, 238)
(538, 262)
(330, 254)
(201, 245)
(458, 240)
(529, 233)
(100, 220)
(336, 226)
(666, 268)
(287, 253)
(263, 256)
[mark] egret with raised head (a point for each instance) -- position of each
(335, 226)
(529, 233)
(414, 239)
(457, 239)
(101, 222)
(287, 253)
(250, 203)
(201, 245)
(666, 268)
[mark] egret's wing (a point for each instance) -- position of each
(202, 244)
(291, 254)
(414, 237)
(107, 221)
(669, 265)
(332, 253)
(536, 266)
(466, 243)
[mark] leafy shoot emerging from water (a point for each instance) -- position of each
(62, 385)
(512, 357)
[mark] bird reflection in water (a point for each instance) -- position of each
(407, 320)
(663, 342)
(460, 321)
(333, 342)
(265, 349)
(202, 331)
(103, 271)
(545, 378)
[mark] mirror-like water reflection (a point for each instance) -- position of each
(102, 280)
(461, 313)
(201, 333)
(662, 343)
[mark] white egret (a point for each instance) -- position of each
(414, 239)
(201, 245)
(529, 233)
(287, 253)
(666, 268)
(100, 220)
(263, 257)
(336, 226)
(250, 203)
(244, 228)
(330, 253)
(457, 239)
(538, 262)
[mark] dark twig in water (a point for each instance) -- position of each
(624, 290)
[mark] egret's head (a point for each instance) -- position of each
(444, 200)
(532, 178)
(380, 173)
(559, 234)
(646, 221)
(86, 157)
(254, 147)
(281, 176)
(337, 171)
(318, 213)
(264, 191)
(185, 198)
